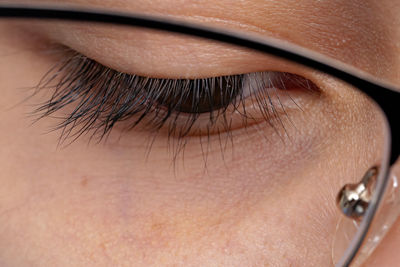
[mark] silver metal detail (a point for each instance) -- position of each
(353, 199)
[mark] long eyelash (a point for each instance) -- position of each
(102, 97)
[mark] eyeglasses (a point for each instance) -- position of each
(330, 164)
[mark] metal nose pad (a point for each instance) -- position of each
(353, 199)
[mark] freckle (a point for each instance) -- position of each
(157, 226)
(84, 182)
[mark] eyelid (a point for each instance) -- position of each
(160, 55)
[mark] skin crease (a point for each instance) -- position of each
(108, 205)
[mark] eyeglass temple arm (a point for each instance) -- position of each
(389, 101)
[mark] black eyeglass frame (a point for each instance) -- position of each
(385, 95)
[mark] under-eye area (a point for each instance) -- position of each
(90, 98)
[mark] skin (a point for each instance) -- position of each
(264, 200)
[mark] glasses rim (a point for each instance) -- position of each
(386, 95)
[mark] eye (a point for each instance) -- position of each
(101, 98)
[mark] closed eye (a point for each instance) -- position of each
(99, 98)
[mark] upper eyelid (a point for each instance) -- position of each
(239, 61)
(159, 57)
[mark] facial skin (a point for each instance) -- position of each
(264, 200)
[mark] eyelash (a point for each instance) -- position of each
(104, 97)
